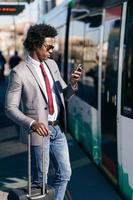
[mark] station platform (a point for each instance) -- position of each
(87, 183)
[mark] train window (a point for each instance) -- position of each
(84, 46)
(110, 56)
(127, 74)
(76, 45)
(58, 54)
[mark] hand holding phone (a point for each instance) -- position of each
(79, 68)
(76, 75)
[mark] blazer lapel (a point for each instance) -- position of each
(35, 75)
(52, 74)
(52, 71)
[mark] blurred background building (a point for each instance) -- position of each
(13, 26)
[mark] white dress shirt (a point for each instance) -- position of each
(56, 101)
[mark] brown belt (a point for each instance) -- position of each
(53, 123)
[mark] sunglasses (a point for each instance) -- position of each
(48, 46)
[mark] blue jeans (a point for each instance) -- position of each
(56, 144)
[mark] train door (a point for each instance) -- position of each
(125, 104)
(110, 54)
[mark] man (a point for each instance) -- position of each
(42, 113)
(2, 64)
(14, 60)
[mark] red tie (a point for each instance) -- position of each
(48, 88)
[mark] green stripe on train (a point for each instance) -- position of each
(124, 184)
(81, 131)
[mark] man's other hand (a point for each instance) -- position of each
(40, 128)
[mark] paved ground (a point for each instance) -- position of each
(11, 158)
(86, 182)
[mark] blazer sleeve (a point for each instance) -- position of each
(68, 90)
(12, 101)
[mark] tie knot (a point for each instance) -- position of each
(43, 69)
(41, 65)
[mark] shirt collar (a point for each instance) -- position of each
(33, 61)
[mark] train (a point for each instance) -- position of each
(99, 35)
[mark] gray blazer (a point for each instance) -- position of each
(26, 101)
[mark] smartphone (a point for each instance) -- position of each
(79, 67)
